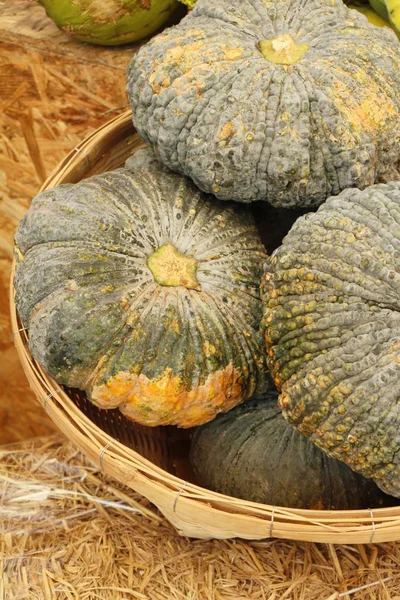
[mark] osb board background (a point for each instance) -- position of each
(53, 93)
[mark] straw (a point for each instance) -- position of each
(87, 537)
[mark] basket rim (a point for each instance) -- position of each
(130, 467)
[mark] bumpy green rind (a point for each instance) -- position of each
(332, 327)
(109, 22)
(252, 453)
(247, 129)
(94, 310)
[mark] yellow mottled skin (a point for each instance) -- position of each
(368, 112)
(166, 401)
(186, 55)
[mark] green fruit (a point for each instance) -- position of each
(393, 9)
(374, 18)
(252, 453)
(379, 6)
(109, 22)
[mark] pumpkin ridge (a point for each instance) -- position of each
(121, 202)
(265, 149)
(121, 335)
(194, 333)
(331, 171)
(268, 144)
(203, 310)
(244, 349)
(264, 155)
(203, 106)
(217, 227)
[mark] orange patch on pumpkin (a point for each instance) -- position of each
(232, 53)
(166, 401)
(227, 132)
(367, 111)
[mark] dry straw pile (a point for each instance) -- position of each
(52, 94)
(69, 532)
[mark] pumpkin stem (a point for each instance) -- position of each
(282, 50)
(170, 267)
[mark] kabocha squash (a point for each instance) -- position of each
(252, 453)
(138, 289)
(287, 101)
(388, 10)
(374, 17)
(109, 22)
(332, 328)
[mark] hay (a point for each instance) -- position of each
(67, 531)
(53, 92)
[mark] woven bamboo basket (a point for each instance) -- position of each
(153, 461)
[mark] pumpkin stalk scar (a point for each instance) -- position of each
(171, 268)
(282, 50)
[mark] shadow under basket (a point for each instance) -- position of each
(154, 461)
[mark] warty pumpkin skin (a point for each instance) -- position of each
(287, 101)
(140, 291)
(252, 453)
(332, 327)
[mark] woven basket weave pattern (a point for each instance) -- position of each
(153, 461)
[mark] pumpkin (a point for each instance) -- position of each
(109, 22)
(389, 10)
(252, 453)
(379, 6)
(373, 16)
(393, 11)
(138, 289)
(284, 101)
(332, 327)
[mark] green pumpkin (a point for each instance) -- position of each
(252, 453)
(139, 289)
(283, 101)
(332, 328)
(374, 17)
(109, 22)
